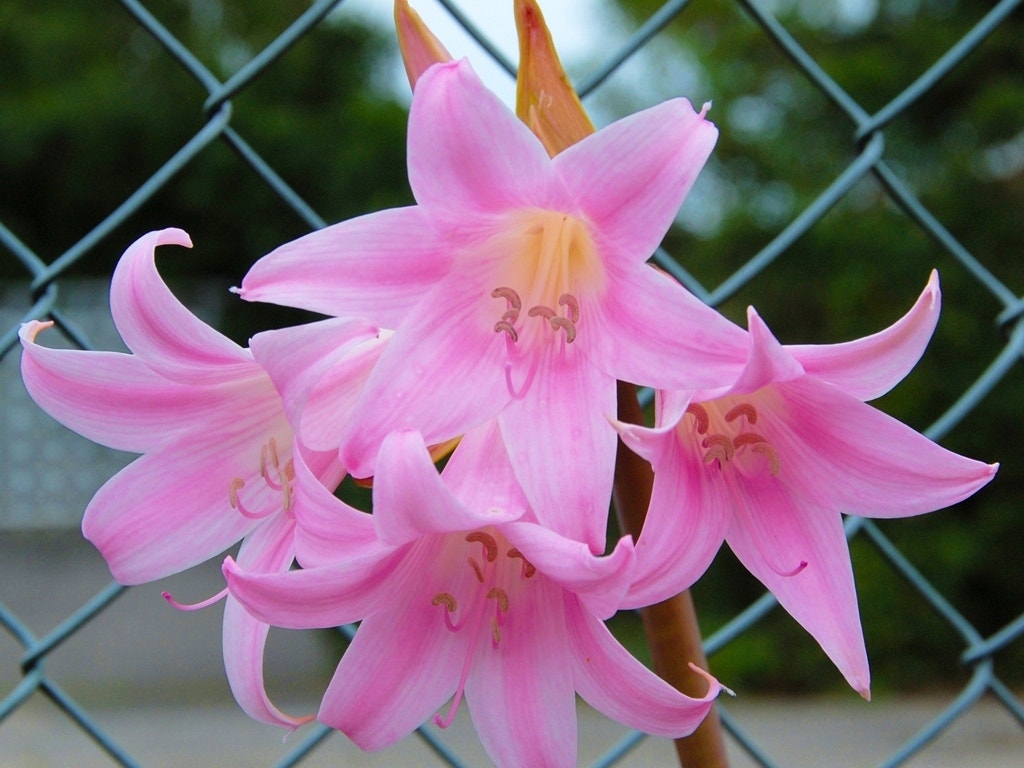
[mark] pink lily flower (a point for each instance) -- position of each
(461, 593)
(770, 463)
(518, 286)
(217, 448)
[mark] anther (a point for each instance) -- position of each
(572, 303)
(541, 311)
(236, 503)
(476, 569)
(743, 409)
(506, 326)
(489, 544)
(699, 412)
(565, 325)
(528, 568)
(716, 452)
(499, 594)
(720, 443)
(237, 484)
(514, 302)
(747, 438)
(447, 600)
(774, 465)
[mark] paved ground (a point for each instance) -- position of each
(152, 678)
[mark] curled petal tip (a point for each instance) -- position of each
(31, 329)
(714, 686)
(174, 236)
(705, 108)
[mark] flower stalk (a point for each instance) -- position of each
(671, 627)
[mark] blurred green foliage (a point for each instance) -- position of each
(960, 148)
(91, 106)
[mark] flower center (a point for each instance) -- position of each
(494, 574)
(725, 432)
(548, 262)
(278, 476)
(729, 437)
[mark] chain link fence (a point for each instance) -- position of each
(867, 134)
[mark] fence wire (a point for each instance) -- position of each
(867, 136)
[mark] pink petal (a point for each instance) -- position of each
(170, 509)
(852, 458)
(480, 474)
(244, 641)
(410, 500)
(267, 548)
(447, 345)
(651, 331)
(333, 399)
(296, 358)
(159, 329)
(376, 266)
(399, 670)
(614, 683)
(599, 582)
(112, 398)
(561, 444)
(767, 360)
(469, 155)
(327, 530)
(630, 178)
(326, 596)
(520, 693)
(868, 368)
(685, 524)
(772, 534)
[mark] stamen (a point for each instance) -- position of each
(573, 304)
(506, 326)
(699, 412)
(528, 569)
(489, 544)
(447, 599)
(476, 569)
(236, 503)
(774, 465)
(747, 438)
(565, 325)
(743, 409)
(722, 443)
(716, 452)
(527, 382)
(194, 606)
(503, 292)
(499, 594)
(495, 633)
(541, 311)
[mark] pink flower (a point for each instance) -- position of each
(770, 463)
(518, 287)
(461, 593)
(217, 449)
